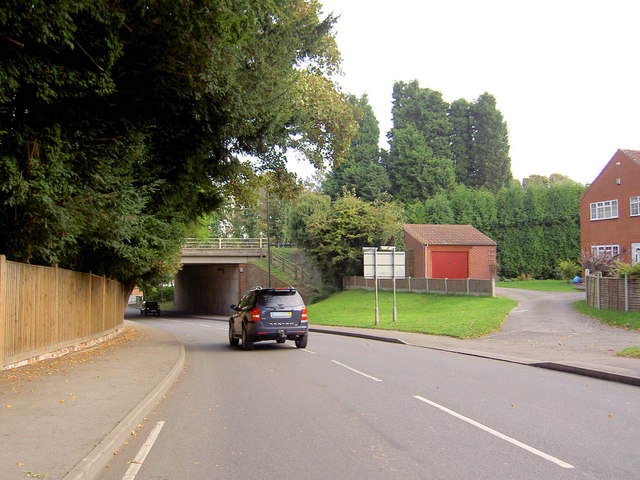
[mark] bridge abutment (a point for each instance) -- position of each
(209, 289)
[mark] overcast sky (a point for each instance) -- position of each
(564, 72)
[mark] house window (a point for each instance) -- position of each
(603, 210)
(608, 250)
(635, 206)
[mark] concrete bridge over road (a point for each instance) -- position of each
(214, 273)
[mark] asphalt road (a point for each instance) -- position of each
(359, 409)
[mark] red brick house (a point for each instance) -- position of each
(610, 209)
(449, 251)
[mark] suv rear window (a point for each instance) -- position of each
(281, 299)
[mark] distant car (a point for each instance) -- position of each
(278, 314)
(150, 308)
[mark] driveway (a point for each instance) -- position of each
(545, 327)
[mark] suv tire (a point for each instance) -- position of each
(246, 343)
(233, 341)
(302, 341)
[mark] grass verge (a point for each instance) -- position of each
(628, 320)
(454, 316)
(539, 285)
(616, 318)
(275, 271)
(631, 352)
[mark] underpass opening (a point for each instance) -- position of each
(209, 289)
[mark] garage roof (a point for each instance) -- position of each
(447, 235)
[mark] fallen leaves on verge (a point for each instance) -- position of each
(12, 380)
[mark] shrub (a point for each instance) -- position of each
(568, 269)
(604, 264)
(622, 269)
(524, 277)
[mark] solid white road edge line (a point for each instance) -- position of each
(497, 434)
(132, 471)
(357, 371)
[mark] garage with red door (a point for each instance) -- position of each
(449, 251)
(448, 264)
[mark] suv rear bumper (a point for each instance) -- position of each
(258, 332)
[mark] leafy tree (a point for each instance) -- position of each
(299, 214)
(247, 215)
(536, 180)
(557, 178)
(414, 170)
(476, 207)
(462, 140)
(426, 111)
(469, 139)
(434, 210)
(336, 235)
(419, 163)
(361, 172)
(491, 145)
(123, 121)
(537, 227)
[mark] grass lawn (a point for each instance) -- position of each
(540, 285)
(454, 316)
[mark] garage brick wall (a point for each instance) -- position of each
(482, 258)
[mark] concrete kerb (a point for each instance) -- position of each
(588, 372)
(560, 367)
(97, 459)
(359, 335)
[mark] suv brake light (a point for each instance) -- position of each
(255, 315)
(303, 314)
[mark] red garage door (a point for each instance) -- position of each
(450, 265)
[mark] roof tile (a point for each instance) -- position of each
(448, 234)
(632, 154)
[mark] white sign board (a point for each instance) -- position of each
(383, 261)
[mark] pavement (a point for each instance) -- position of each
(64, 419)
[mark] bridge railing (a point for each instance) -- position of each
(221, 243)
(295, 271)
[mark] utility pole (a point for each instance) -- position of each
(268, 240)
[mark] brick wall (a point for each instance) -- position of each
(619, 180)
(482, 259)
(415, 261)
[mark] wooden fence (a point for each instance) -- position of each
(608, 293)
(48, 311)
(465, 286)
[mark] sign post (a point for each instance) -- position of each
(387, 264)
(370, 262)
(392, 249)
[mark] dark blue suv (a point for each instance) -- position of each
(278, 314)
